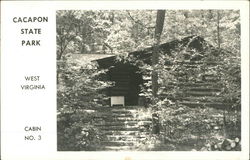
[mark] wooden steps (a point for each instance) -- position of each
(119, 148)
(117, 143)
(121, 126)
(124, 137)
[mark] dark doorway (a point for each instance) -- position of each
(127, 82)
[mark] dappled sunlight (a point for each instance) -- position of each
(127, 81)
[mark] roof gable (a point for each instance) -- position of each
(192, 43)
(105, 60)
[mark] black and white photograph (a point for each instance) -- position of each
(124, 80)
(148, 80)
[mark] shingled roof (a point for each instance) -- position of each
(192, 42)
(85, 60)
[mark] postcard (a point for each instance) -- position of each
(128, 80)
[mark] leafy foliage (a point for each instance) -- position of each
(194, 127)
(78, 92)
(120, 32)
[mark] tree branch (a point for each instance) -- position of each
(108, 46)
(139, 22)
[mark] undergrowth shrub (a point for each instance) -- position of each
(79, 91)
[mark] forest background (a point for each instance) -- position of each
(121, 32)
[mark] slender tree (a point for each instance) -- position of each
(155, 59)
(219, 47)
(218, 29)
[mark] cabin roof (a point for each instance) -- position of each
(196, 42)
(88, 57)
(190, 42)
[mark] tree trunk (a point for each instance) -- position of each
(219, 46)
(155, 58)
(218, 29)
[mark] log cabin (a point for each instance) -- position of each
(128, 79)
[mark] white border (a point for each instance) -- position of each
(31, 7)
